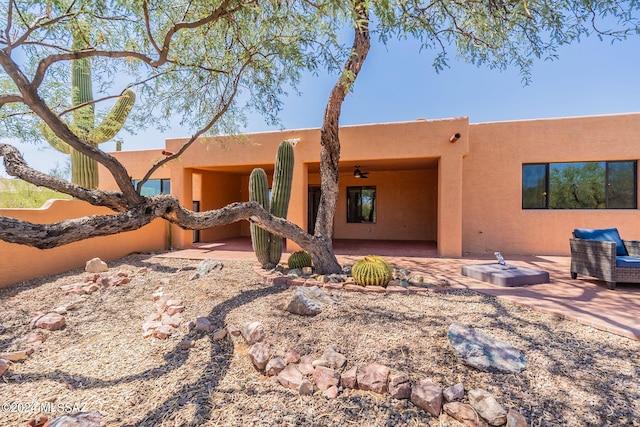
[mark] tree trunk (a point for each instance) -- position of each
(330, 142)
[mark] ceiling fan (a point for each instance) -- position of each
(359, 174)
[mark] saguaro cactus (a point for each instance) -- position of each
(268, 246)
(84, 170)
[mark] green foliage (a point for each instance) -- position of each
(260, 238)
(15, 193)
(577, 186)
(299, 259)
(84, 170)
(372, 271)
(268, 246)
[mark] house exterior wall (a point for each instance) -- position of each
(493, 218)
(19, 263)
(466, 194)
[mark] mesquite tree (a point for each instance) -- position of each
(190, 60)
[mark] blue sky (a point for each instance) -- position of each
(398, 83)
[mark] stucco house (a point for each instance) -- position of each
(519, 187)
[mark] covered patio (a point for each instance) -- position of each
(583, 300)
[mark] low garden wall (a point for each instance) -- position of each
(19, 263)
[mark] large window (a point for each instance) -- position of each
(154, 186)
(580, 185)
(361, 204)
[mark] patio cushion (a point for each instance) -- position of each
(627, 262)
(602, 235)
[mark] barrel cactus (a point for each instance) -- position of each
(84, 170)
(268, 246)
(372, 271)
(299, 259)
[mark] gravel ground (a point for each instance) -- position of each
(577, 375)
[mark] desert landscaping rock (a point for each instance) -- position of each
(464, 413)
(163, 332)
(373, 377)
(260, 354)
(399, 386)
(484, 352)
(4, 366)
(306, 387)
(349, 378)
(453, 393)
(96, 265)
(80, 419)
(427, 395)
(33, 338)
(203, 324)
(487, 407)
(333, 358)
(252, 332)
(325, 377)
(291, 356)
(220, 334)
(290, 377)
(306, 365)
(308, 301)
(275, 366)
(205, 267)
(331, 392)
(50, 322)
(515, 419)
(15, 356)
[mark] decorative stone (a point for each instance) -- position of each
(306, 388)
(349, 378)
(333, 358)
(291, 356)
(151, 325)
(161, 303)
(15, 356)
(220, 334)
(234, 331)
(331, 392)
(308, 301)
(290, 377)
(305, 366)
(488, 407)
(252, 332)
(464, 413)
(80, 419)
(4, 365)
(174, 320)
(455, 392)
(163, 332)
(325, 377)
(515, 419)
(275, 366)
(373, 377)
(259, 354)
(399, 386)
(484, 352)
(33, 338)
(96, 265)
(50, 322)
(427, 396)
(205, 267)
(203, 324)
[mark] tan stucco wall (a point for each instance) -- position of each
(19, 263)
(383, 148)
(493, 218)
(137, 162)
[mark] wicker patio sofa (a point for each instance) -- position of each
(602, 254)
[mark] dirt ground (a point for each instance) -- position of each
(577, 375)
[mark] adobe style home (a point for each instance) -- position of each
(519, 187)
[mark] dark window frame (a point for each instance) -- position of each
(606, 190)
(164, 184)
(357, 211)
